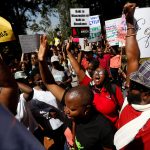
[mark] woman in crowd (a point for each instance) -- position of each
(108, 97)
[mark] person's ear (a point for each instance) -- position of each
(146, 97)
(88, 107)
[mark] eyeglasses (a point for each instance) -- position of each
(101, 72)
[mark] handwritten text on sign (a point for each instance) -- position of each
(95, 29)
(29, 43)
(143, 30)
(112, 31)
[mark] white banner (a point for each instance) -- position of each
(142, 16)
(79, 17)
(95, 29)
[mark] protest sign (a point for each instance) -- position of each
(81, 43)
(79, 17)
(76, 40)
(142, 22)
(29, 43)
(122, 31)
(80, 32)
(112, 31)
(95, 29)
(6, 32)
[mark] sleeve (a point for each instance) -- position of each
(86, 81)
(119, 96)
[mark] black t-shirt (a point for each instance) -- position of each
(94, 134)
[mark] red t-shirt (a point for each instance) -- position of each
(85, 63)
(142, 139)
(104, 103)
(86, 81)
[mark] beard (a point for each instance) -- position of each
(134, 98)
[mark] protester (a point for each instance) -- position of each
(92, 129)
(87, 56)
(8, 88)
(47, 113)
(13, 135)
(24, 114)
(133, 124)
(59, 74)
(108, 97)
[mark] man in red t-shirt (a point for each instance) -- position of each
(134, 121)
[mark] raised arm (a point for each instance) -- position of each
(8, 89)
(132, 49)
(27, 91)
(76, 66)
(46, 75)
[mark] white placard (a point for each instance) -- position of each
(79, 17)
(29, 43)
(95, 29)
(142, 16)
(81, 43)
(112, 31)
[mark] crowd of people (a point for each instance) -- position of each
(107, 108)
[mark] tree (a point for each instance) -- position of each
(19, 12)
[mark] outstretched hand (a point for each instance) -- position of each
(43, 48)
(69, 43)
(128, 10)
(68, 47)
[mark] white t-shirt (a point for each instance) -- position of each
(58, 75)
(48, 98)
(24, 114)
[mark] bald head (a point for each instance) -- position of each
(83, 93)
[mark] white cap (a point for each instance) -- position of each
(20, 75)
(87, 49)
(54, 58)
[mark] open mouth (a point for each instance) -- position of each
(69, 117)
(97, 79)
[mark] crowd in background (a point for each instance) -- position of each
(77, 98)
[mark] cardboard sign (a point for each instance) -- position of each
(95, 29)
(112, 31)
(29, 43)
(143, 30)
(79, 17)
(6, 32)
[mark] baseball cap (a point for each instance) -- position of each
(142, 76)
(87, 49)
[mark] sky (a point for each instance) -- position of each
(54, 21)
